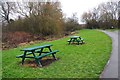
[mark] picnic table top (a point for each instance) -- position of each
(74, 36)
(36, 47)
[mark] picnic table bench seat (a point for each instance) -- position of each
(20, 56)
(68, 40)
(47, 53)
(41, 56)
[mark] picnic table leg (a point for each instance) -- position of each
(52, 54)
(36, 60)
(82, 41)
(50, 49)
(23, 58)
(69, 42)
(78, 42)
(40, 51)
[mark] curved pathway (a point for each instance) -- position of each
(111, 69)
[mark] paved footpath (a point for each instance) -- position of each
(111, 68)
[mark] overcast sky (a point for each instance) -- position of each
(79, 6)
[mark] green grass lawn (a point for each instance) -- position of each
(75, 61)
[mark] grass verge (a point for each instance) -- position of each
(75, 61)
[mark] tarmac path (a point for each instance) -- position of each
(111, 68)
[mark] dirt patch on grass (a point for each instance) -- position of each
(45, 62)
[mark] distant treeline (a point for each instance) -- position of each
(105, 16)
(44, 18)
(47, 18)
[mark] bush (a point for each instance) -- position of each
(71, 25)
(12, 39)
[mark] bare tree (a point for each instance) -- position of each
(118, 14)
(6, 8)
(105, 15)
(86, 16)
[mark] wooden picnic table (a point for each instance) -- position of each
(77, 39)
(39, 50)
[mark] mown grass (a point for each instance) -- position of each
(75, 61)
